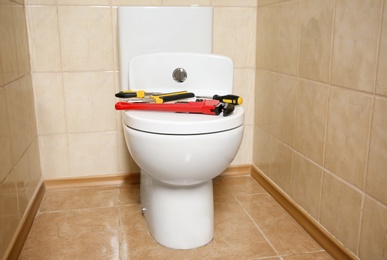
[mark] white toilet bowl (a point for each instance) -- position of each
(179, 153)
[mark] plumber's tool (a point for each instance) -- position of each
(208, 107)
(158, 99)
(231, 99)
(134, 94)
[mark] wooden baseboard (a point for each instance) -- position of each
(315, 230)
(92, 181)
(17, 242)
(237, 170)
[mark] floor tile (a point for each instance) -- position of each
(67, 199)
(243, 185)
(77, 234)
(315, 256)
(129, 195)
(285, 234)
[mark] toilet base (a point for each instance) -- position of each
(178, 217)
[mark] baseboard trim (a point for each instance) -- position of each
(92, 181)
(315, 230)
(238, 170)
(17, 242)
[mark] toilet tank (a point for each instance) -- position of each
(143, 30)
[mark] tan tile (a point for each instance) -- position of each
(261, 150)
(243, 157)
(243, 185)
(268, 2)
(316, 37)
(86, 38)
(348, 129)
(311, 110)
(244, 85)
(221, 192)
(125, 160)
(377, 162)
(315, 256)
(234, 3)
(43, 25)
(356, 35)
(275, 104)
(137, 2)
(92, 153)
(49, 93)
(280, 229)
(83, 198)
(281, 165)
(84, 2)
(277, 45)
(306, 185)
(374, 228)
(8, 48)
(381, 79)
(89, 101)
(28, 108)
(34, 167)
(23, 57)
(340, 210)
(6, 160)
(235, 37)
(187, 2)
(79, 234)
(129, 195)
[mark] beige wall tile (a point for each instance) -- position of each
(244, 82)
(125, 160)
(340, 210)
(261, 150)
(54, 164)
(43, 25)
(9, 211)
(234, 3)
(187, 2)
(268, 2)
(28, 108)
(8, 44)
(348, 129)
(381, 80)
(89, 101)
(84, 2)
(275, 104)
(356, 34)
(235, 37)
(21, 40)
(281, 165)
(41, 2)
(50, 108)
(306, 185)
(374, 229)
(92, 154)
(377, 164)
(34, 167)
(316, 37)
(86, 38)
(311, 110)
(21, 176)
(137, 2)
(13, 93)
(277, 45)
(6, 159)
(244, 155)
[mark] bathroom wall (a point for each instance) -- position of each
(19, 155)
(75, 74)
(321, 113)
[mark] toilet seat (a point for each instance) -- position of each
(181, 123)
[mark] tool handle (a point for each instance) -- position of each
(172, 96)
(231, 99)
(130, 94)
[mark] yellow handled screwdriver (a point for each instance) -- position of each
(134, 94)
(230, 99)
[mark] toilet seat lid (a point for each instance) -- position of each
(182, 123)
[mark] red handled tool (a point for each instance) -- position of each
(208, 107)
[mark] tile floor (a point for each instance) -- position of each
(106, 223)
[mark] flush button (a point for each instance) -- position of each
(179, 75)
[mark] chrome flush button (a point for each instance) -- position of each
(179, 75)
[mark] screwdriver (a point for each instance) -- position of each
(230, 99)
(134, 94)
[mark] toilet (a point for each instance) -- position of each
(178, 153)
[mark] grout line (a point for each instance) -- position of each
(251, 218)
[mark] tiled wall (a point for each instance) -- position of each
(19, 155)
(321, 113)
(75, 75)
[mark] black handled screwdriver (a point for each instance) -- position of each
(230, 99)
